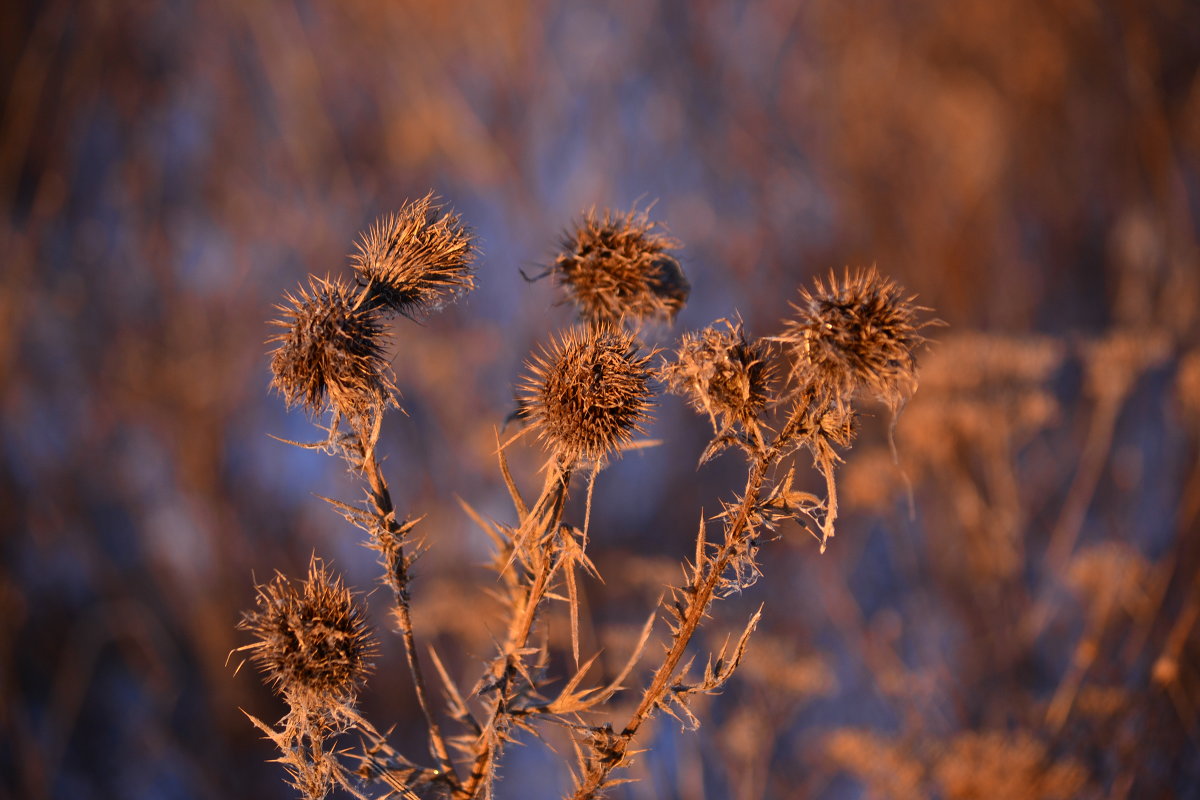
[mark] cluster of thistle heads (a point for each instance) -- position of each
(589, 393)
(332, 353)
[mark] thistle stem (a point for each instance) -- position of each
(397, 569)
(543, 518)
(702, 590)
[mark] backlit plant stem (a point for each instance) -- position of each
(537, 530)
(397, 575)
(701, 598)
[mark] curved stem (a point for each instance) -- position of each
(397, 564)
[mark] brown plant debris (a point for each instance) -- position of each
(1107, 576)
(1006, 767)
(617, 269)
(1187, 384)
(884, 765)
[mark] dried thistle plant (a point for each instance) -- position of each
(588, 394)
(312, 640)
(728, 378)
(331, 351)
(856, 333)
(314, 647)
(414, 260)
(617, 269)
(585, 397)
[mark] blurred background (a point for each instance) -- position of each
(1010, 612)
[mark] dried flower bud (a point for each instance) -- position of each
(856, 333)
(823, 425)
(616, 269)
(588, 393)
(416, 259)
(313, 643)
(723, 375)
(330, 351)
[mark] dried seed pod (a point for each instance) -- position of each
(857, 333)
(617, 269)
(723, 375)
(330, 352)
(588, 393)
(825, 425)
(313, 643)
(416, 259)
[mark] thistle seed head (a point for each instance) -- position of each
(330, 351)
(415, 260)
(588, 393)
(825, 425)
(857, 333)
(723, 375)
(617, 269)
(312, 640)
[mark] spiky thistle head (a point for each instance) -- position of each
(312, 641)
(588, 393)
(822, 425)
(722, 374)
(330, 352)
(416, 259)
(858, 333)
(617, 269)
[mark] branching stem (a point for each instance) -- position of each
(703, 589)
(535, 531)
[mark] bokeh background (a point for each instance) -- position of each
(1010, 612)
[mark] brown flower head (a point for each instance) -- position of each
(824, 425)
(330, 351)
(616, 268)
(723, 375)
(313, 643)
(587, 394)
(416, 259)
(857, 333)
